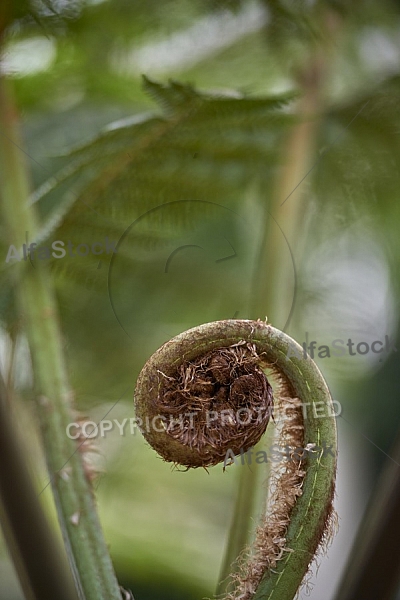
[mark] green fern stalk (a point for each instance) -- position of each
(269, 287)
(87, 551)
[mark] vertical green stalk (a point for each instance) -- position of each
(41, 567)
(269, 291)
(240, 524)
(271, 277)
(74, 498)
(372, 569)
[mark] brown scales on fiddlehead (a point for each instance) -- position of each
(221, 401)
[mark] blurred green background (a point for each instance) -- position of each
(206, 186)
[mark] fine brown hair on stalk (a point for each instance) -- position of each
(286, 482)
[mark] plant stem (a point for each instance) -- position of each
(240, 524)
(373, 569)
(74, 498)
(31, 542)
(269, 289)
(310, 517)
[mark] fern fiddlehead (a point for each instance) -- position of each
(204, 396)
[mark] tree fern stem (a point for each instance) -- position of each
(30, 541)
(269, 290)
(238, 536)
(310, 517)
(270, 295)
(75, 502)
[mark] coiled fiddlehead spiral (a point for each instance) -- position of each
(218, 369)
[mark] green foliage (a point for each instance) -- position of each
(360, 174)
(200, 154)
(157, 182)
